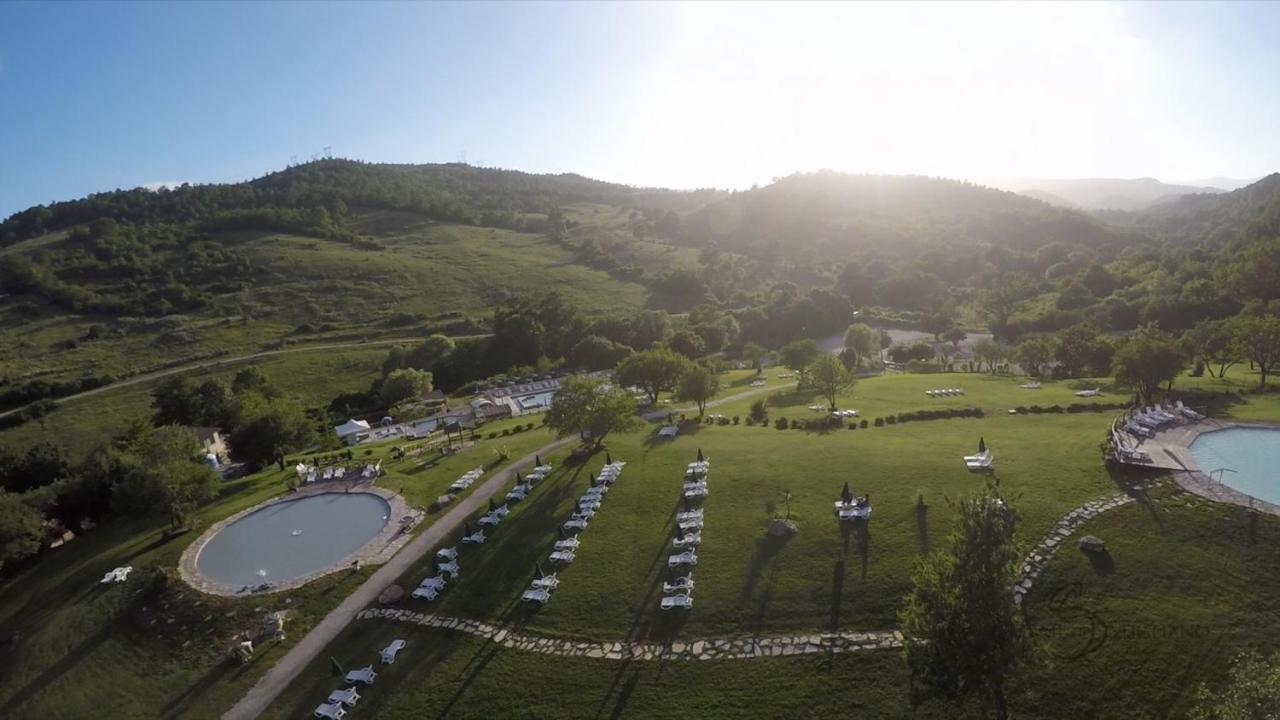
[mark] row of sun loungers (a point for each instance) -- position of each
(849, 508)
(466, 480)
(944, 392)
(678, 591)
(1095, 392)
(1030, 386)
(339, 701)
(566, 547)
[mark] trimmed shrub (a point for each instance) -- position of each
(853, 425)
(863, 424)
(750, 422)
(735, 419)
(780, 423)
(892, 419)
(879, 422)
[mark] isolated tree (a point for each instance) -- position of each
(755, 354)
(1000, 301)
(426, 354)
(269, 430)
(828, 376)
(252, 379)
(936, 324)
(1258, 339)
(962, 633)
(20, 528)
(404, 384)
(990, 352)
(862, 341)
(1033, 354)
(955, 336)
(1074, 349)
(591, 408)
(797, 357)
(1148, 360)
(1251, 692)
(698, 385)
(653, 371)
(1213, 342)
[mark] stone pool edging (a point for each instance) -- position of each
(1176, 444)
(376, 551)
(707, 649)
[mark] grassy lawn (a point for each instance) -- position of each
(147, 653)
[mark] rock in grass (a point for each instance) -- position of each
(781, 528)
(393, 593)
(1091, 544)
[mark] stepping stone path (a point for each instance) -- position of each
(1057, 537)
(711, 649)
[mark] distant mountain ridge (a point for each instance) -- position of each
(1212, 219)
(1102, 193)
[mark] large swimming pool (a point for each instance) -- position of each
(1253, 453)
(291, 539)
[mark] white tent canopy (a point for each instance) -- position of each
(351, 427)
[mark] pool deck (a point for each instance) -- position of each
(377, 551)
(1171, 450)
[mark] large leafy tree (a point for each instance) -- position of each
(962, 633)
(1033, 354)
(268, 429)
(1258, 339)
(591, 408)
(595, 352)
(1074, 349)
(1003, 298)
(166, 477)
(797, 357)
(828, 376)
(862, 341)
(1213, 342)
(20, 528)
(653, 371)
(403, 384)
(1148, 360)
(698, 385)
(755, 354)
(688, 344)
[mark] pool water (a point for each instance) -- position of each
(1253, 453)
(291, 539)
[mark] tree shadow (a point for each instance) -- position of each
(837, 593)
(57, 670)
(215, 674)
(766, 548)
(639, 628)
(863, 533)
(922, 527)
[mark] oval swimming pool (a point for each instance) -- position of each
(291, 539)
(1252, 453)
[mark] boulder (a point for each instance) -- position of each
(781, 528)
(393, 593)
(1091, 544)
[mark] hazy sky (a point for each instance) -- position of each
(104, 95)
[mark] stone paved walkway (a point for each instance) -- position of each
(1057, 536)
(709, 649)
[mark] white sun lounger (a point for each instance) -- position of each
(348, 697)
(1095, 392)
(330, 711)
(546, 582)
(569, 544)
(575, 524)
(1187, 412)
(425, 593)
(689, 515)
(679, 584)
(475, 538)
(979, 457)
(690, 540)
(699, 491)
(437, 581)
(979, 465)
(691, 524)
(677, 602)
(365, 676)
(446, 554)
(539, 597)
(389, 652)
(687, 557)
(584, 514)
(854, 512)
(489, 520)
(562, 557)
(451, 567)
(588, 503)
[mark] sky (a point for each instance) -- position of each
(99, 96)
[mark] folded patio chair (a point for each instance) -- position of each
(330, 711)
(348, 697)
(538, 597)
(685, 558)
(389, 652)
(677, 602)
(364, 675)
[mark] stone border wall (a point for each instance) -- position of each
(1176, 443)
(378, 550)
(711, 649)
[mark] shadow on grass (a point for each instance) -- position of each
(862, 531)
(687, 428)
(1132, 481)
(216, 674)
(766, 548)
(1101, 562)
(56, 670)
(922, 527)
(640, 628)
(837, 594)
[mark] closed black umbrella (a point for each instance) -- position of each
(592, 478)
(560, 533)
(518, 480)
(608, 459)
(982, 445)
(492, 505)
(700, 457)
(537, 460)
(537, 571)
(435, 566)
(466, 529)
(687, 505)
(845, 495)
(336, 667)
